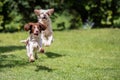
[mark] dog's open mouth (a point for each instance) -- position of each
(36, 34)
(44, 18)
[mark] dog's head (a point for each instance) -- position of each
(43, 15)
(34, 28)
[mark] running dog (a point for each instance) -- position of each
(44, 18)
(34, 41)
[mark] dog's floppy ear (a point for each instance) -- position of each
(50, 11)
(37, 12)
(42, 26)
(28, 26)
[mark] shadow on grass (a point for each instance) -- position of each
(49, 55)
(9, 60)
(10, 48)
(53, 55)
(12, 63)
(44, 68)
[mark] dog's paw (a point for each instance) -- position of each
(47, 44)
(42, 50)
(31, 59)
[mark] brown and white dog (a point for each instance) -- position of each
(44, 18)
(34, 40)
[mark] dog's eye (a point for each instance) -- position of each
(41, 13)
(33, 27)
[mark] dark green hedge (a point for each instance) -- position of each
(86, 13)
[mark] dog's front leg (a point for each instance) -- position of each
(48, 41)
(30, 53)
(41, 50)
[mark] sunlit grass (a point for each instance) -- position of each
(74, 55)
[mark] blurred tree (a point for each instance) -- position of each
(1, 16)
(103, 13)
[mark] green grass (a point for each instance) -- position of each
(74, 55)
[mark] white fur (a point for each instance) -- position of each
(33, 44)
(43, 18)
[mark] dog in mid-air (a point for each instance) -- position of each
(34, 42)
(44, 18)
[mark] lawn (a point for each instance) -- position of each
(74, 55)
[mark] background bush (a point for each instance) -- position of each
(69, 14)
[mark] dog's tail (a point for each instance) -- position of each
(24, 41)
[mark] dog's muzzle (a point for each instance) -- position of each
(45, 18)
(36, 33)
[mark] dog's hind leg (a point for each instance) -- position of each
(36, 56)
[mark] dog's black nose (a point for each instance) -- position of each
(44, 17)
(36, 31)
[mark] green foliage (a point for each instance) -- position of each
(1, 20)
(14, 14)
(62, 21)
(117, 22)
(1, 16)
(1, 4)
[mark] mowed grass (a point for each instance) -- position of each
(74, 55)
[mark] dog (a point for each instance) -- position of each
(44, 18)
(34, 41)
